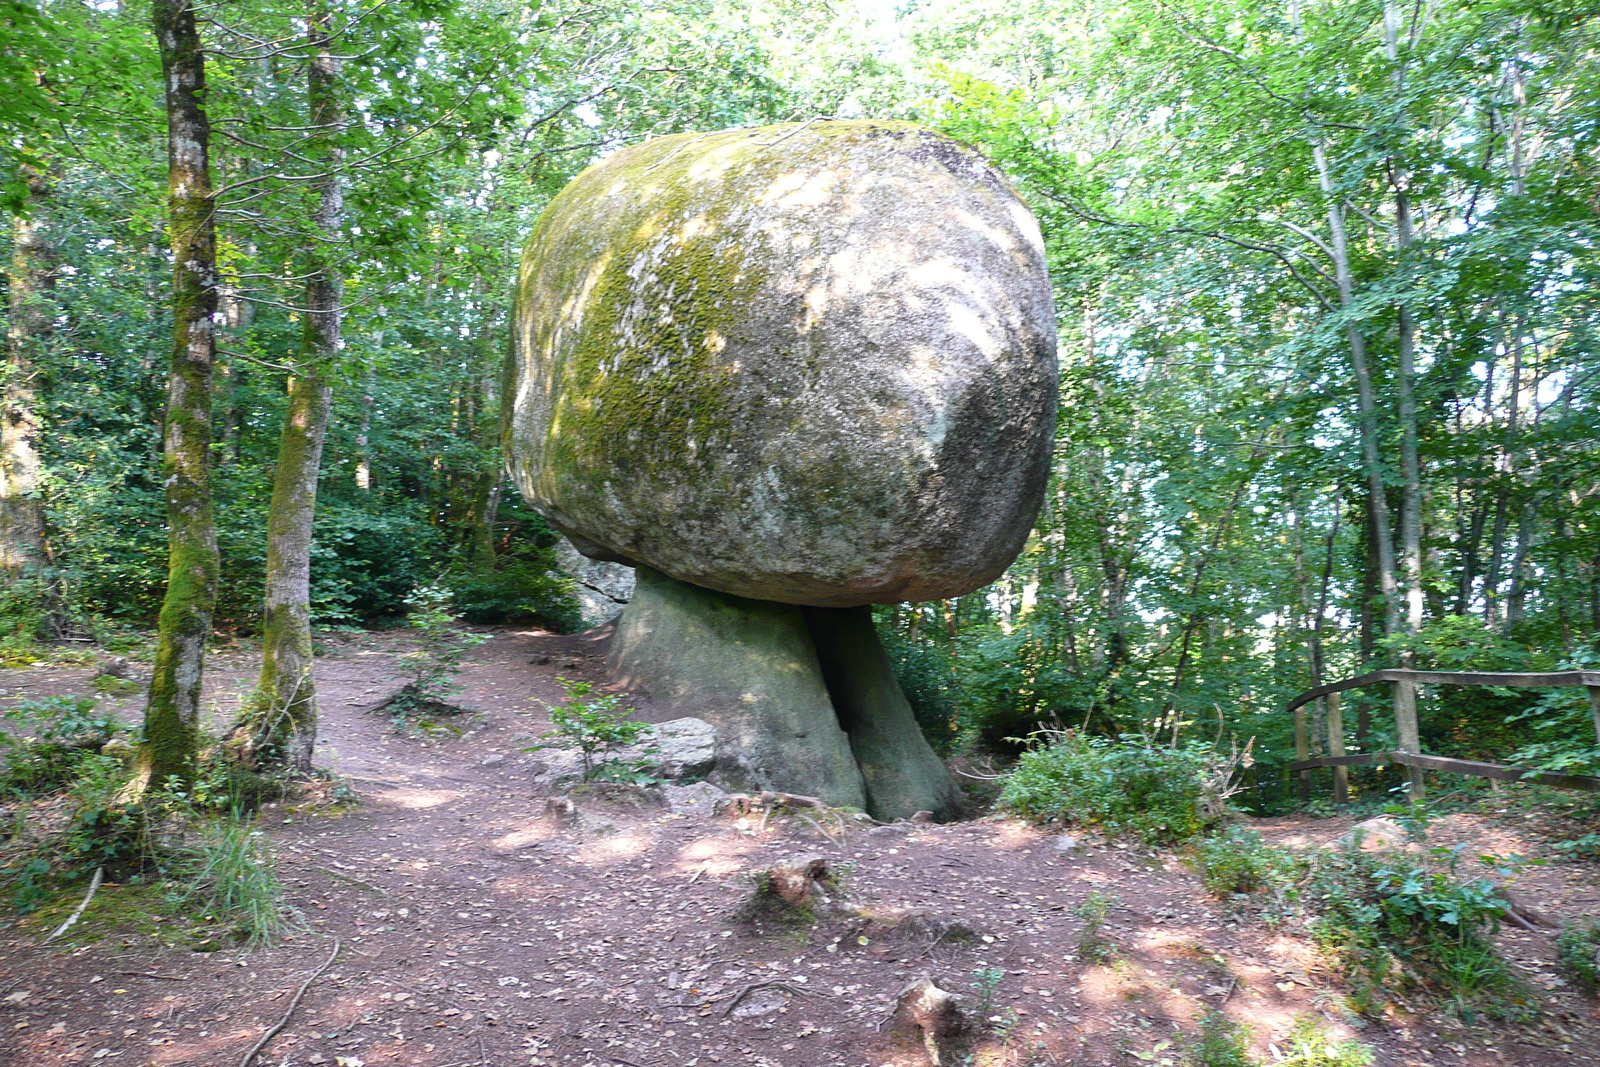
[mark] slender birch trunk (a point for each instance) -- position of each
(29, 324)
(1405, 374)
(286, 694)
(172, 714)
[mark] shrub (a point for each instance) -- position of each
(928, 679)
(1093, 945)
(1308, 1045)
(1238, 860)
(1579, 950)
(1159, 795)
(1220, 1043)
(60, 734)
(524, 587)
(434, 663)
(1388, 919)
(596, 728)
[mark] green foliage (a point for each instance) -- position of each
(596, 728)
(197, 840)
(227, 871)
(1093, 945)
(928, 679)
(23, 621)
(1239, 861)
(1308, 1045)
(1578, 947)
(433, 663)
(524, 586)
(1159, 795)
(1220, 1043)
(1557, 729)
(985, 982)
(55, 737)
(1392, 920)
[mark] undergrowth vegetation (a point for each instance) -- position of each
(190, 854)
(1158, 795)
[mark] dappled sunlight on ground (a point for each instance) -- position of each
(533, 833)
(717, 856)
(612, 849)
(418, 798)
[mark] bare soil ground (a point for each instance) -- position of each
(473, 930)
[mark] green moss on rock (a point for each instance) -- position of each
(739, 354)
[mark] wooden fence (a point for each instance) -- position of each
(1408, 752)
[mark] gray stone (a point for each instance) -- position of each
(811, 363)
(749, 669)
(700, 799)
(602, 588)
(1068, 843)
(683, 748)
(1375, 834)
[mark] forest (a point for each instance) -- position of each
(1321, 272)
(1324, 279)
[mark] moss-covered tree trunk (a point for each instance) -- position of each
(287, 693)
(172, 715)
(28, 327)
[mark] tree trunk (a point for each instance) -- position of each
(28, 328)
(1405, 375)
(1367, 404)
(172, 714)
(286, 694)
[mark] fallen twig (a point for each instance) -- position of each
(753, 986)
(293, 1004)
(94, 883)
(152, 974)
(378, 889)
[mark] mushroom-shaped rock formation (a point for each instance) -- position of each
(787, 372)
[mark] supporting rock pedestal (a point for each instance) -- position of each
(903, 774)
(803, 699)
(749, 668)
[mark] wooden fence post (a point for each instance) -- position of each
(1302, 750)
(1409, 738)
(1341, 775)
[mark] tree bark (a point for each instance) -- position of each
(172, 714)
(29, 325)
(286, 694)
(1405, 375)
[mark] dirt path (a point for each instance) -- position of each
(476, 931)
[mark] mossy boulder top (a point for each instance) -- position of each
(811, 363)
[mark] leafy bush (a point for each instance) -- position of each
(1160, 795)
(23, 621)
(1308, 1045)
(1093, 944)
(1238, 860)
(929, 682)
(1390, 920)
(1579, 950)
(364, 565)
(1220, 1043)
(56, 735)
(434, 663)
(596, 728)
(1010, 684)
(524, 587)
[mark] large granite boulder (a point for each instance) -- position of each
(810, 363)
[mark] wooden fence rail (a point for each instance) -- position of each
(1408, 752)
